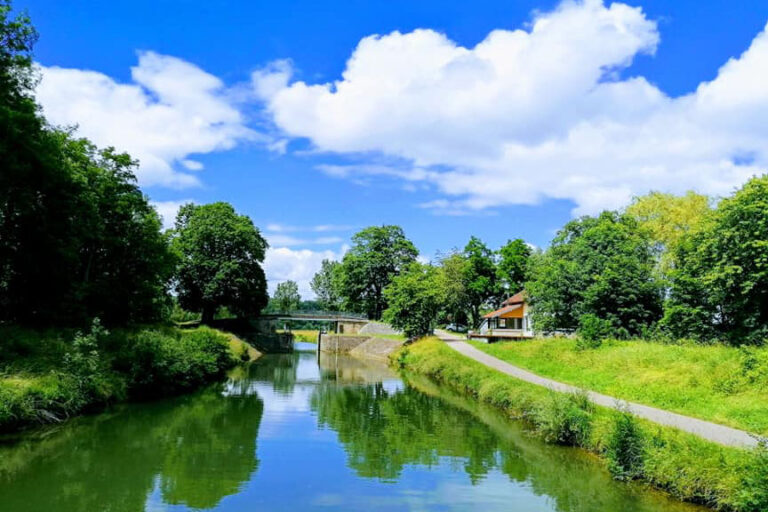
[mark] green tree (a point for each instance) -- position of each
(453, 285)
(287, 296)
(413, 299)
(326, 284)
(220, 254)
(512, 269)
(77, 237)
(601, 266)
(668, 219)
(482, 285)
(720, 284)
(377, 255)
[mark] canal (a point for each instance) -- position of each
(292, 433)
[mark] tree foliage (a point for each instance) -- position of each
(596, 265)
(78, 239)
(326, 284)
(220, 254)
(482, 285)
(668, 219)
(453, 285)
(378, 254)
(413, 299)
(512, 268)
(287, 296)
(720, 286)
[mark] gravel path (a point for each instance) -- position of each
(705, 429)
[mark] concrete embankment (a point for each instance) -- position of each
(363, 345)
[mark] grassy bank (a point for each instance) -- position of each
(49, 376)
(689, 468)
(716, 383)
(305, 335)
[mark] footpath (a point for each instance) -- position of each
(704, 429)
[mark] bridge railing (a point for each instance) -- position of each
(316, 313)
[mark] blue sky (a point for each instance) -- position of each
(445, 131)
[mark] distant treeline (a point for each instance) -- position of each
(665, 267)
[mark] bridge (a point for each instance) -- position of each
(344, 322)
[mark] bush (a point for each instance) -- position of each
(592, 331)
(165, 362)
(754, 488)
(625, 448)
(565, 419)
(91, 374)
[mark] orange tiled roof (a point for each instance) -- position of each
(499, 313)
(517, 298)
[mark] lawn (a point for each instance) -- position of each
(717, 383)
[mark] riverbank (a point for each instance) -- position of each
(717, 383)
(52, 375)
(684, 465)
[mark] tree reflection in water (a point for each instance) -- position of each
(385, 431)
(197, 449)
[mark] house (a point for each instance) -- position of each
(510, 322)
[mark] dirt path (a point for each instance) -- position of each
(705, 429)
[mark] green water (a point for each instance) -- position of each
(293, 433)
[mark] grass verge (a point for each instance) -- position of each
(716, 383)
(49, 376)
(687, 467)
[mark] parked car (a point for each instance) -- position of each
(456, 328)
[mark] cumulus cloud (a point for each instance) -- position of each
(300, 265)
(318, 228)
(168, 210)
(532, 113)
(171, 109)
(280, 240)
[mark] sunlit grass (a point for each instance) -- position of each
(688, 467)
(716, 383)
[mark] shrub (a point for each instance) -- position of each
(625, 448)
(162, 362)
(89, 370)
(754, 485)
(592, 331)
(565, 419)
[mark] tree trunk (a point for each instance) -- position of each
(208, 312)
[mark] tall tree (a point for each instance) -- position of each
(377, 255)
(453, 284)
(326, 284)
(720, 285)
(77, 237)
(482, 285)
(220, 255)
(599, 266)
(413, 299)
(287, 296)
(513, 264)
(668, 219)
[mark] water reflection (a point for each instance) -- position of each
(334, 433)
(196, 449)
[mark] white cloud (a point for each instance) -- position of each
(170, 110)
(281, 240)
(168, 210)
(283, 263)
(319, 228)
(531, 114)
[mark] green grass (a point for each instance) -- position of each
(679, 463)
(396, 337)
(722, 384)
(50, 376)
(305, 335)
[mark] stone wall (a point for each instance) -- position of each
(350, 327)
(340, 344)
